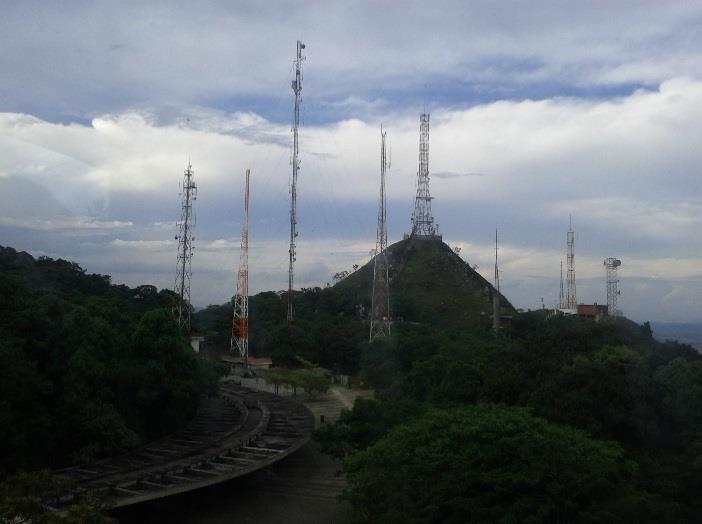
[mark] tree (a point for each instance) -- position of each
(22, 495)
(490, 463)
(313, 383)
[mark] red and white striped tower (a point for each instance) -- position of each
(240, 323)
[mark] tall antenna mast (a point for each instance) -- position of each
(240, 322)
(571, 299)
(497, 271)
(297, 89)
(561, 295)
(611, 264)
(422, 219)
(496, 294)
(181, 308)
(380, 307)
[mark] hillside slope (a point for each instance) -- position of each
(428, 283)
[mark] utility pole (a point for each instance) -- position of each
(571, 299)
(422, 219)
(611, 265)
(181, 308)
(297, 89)
(380, 307)
(240, 322)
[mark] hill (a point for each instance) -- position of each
(429, 283)
(687, 333)
(430, 286)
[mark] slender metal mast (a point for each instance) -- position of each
(380, 307)
(571, 299)
(297, 89)
(240, 322)
(181, 308)
(497, 271)
(496, 294)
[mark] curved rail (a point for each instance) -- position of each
(232, 435)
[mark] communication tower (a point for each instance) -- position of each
(571, 299)
(422, 219)
(496, 294)
(181, 308)
(380, 308)
(240, 322)
(611, 265)
(297, 89)
(497, 271)
(561, 294)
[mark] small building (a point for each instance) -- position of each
(595, 311)
(195, 342)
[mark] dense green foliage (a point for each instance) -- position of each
(490, 463)
(320, 333)
(615, 412)
(313, 383)
(87, 369)
(616, 408)
(22, 495)
(601, 386)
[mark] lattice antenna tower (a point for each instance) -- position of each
(297, 89)
(561, 295)
(181, 308)
(571, 298)
(240, 322)
(380, 307)
(422, 219)
(611, 265)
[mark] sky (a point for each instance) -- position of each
(540, 111)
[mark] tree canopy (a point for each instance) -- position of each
(490, 463)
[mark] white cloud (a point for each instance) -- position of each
(626, 169)
(67, 224)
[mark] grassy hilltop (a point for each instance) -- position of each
(429, 283)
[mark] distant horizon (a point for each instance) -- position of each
(283, 289)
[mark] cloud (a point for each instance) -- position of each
(448, 174)
(111, 57)
(625, 168)
(70, 224)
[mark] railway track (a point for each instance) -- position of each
(238, 432)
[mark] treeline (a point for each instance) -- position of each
(87, 368)
(557, 420)
(327, 329)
